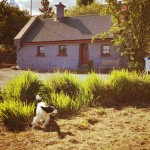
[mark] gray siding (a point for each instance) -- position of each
(95, 54)
(26, 57)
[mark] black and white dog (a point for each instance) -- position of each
(42, 113)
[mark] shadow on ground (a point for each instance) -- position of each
(54, 127)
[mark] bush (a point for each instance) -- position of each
(63, 103)
(68, 106)
(66, 92)
(144, 88)
(129, 86)
(66, 83)
(24, 87)
(93, 87)
(16, 115)
(136, 66)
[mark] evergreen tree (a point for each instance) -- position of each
(47, 12)
(84, 2)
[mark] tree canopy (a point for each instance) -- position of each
(84, 2)
(94, 8)
(131, 27)
(12, 19)
(46, 10)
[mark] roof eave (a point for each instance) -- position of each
(67, 41)
(19, 37)
(26, 28)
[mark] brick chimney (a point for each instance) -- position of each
(60, 11)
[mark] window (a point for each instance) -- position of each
(105, 50)
(40, 51)
(62, 50)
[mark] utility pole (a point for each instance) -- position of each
(31, 8)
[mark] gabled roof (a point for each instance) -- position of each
(71, 28)
(25, 29)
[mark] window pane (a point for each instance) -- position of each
(105, 50)
(40, 51)
(63, 50)
(63, 47)
(41, 48)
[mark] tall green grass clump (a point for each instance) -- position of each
(93, 86)
(24, 87)
(66, 83)
(129, 86)
(145, 88)
(63, 103)
(66, 92)
(66, 105)
(16, 115)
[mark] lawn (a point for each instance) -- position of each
(109, 127)
(92, 129)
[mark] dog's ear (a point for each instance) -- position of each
(51, 105)
(38, 98)
(48, 109)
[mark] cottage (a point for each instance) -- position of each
(65, 42)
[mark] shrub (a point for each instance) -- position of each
(122, 83)
(63, 103)
(66, 83)
(129, 86)
(16, 115)
(67, 105)
(136, 66)
(144, 88)
(93, 87)
(24, 87)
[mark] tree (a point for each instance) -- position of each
(11, 22)
(46, 11)
(12, 19)
(84, 2)
(131, 27)
(94, 8)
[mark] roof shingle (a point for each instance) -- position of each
(71, 28)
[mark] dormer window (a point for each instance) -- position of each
(40, 51)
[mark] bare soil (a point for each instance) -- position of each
(93, 129)
(97, 128)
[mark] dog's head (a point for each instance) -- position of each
(50, 109)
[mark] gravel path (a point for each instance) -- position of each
(6, 74)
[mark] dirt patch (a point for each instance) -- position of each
(93, 129)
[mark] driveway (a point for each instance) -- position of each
(6, 74)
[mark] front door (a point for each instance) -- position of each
(84, 53)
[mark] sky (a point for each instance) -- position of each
(36, 4)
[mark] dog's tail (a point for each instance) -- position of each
(38, 98)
